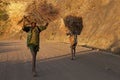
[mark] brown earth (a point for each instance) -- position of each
(100, 20)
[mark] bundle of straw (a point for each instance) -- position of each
(74, 24)
(42, 12)
(48, 11)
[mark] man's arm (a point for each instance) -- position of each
(43, 27)
(68, 33)
(25, 27)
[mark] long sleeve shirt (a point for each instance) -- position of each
(33, 34)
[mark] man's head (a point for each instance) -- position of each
(33, 24)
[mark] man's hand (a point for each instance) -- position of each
(67, 34)
(46, 24)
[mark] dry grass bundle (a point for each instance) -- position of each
(74, 24)
(42, 11)
(48, 11)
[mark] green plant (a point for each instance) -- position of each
(3, 15)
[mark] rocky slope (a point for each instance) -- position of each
(101, 21)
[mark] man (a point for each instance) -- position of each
(73, 43)
(33, 32)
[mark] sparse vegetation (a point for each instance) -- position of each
(100, 18)
(3, 15)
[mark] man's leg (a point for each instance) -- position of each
(34, 61)
(34, 54)
(72, 52)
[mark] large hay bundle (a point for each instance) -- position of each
(74, 24)
(48, 11)
(42, 11)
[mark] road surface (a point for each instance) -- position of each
(53, 63)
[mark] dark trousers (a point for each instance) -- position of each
(73, 50)
(33, 50)
(33, 60)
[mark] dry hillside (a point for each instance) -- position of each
(101, 21)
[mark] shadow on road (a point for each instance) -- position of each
(88, 65)
(63, 56)
(8, 43)
(5, 50)
(6, 46)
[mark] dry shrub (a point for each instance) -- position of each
(74, 24)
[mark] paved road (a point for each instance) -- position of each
(53, 63)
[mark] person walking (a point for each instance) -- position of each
(73, 43)
(33, 40)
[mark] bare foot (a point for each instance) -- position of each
(34, 74)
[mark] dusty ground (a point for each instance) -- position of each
(53, 63)
(101, 20)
